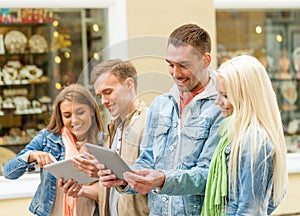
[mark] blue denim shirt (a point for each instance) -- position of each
(44, 196)
(181, 147)
(253, 198)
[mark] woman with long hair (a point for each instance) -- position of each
(75, 121)
(248, 174)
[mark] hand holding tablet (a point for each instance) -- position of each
(110, 159)
(65, 169)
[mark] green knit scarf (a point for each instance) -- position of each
(217, 181)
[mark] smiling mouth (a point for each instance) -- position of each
(109, 107)
(225, 109)
(76, 127)
(180, 82)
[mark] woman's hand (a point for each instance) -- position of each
(42, 158)
(73, 189)
(70, 187)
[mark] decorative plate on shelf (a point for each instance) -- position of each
(15, 41)
(38, 44)
(31, 72)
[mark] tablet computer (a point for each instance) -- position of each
(65, 169)
(110, 159)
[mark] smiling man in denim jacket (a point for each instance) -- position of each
(180, 136)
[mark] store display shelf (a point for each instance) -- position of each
(13, 144)
(26, 82)
(26, 52)
(24, 112)
(26, 24)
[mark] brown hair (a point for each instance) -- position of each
(121, 69)
(193, 35)
(79, 94)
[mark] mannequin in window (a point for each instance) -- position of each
(267, 61)
(288, 90)
(284, 65)
(296, 60)
(298, 66)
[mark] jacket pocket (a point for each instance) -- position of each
(160, 135)
(197, 128)
(155, 203)
(192, 204)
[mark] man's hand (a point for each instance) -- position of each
(143, 181)
(86, 163)
(107, 178)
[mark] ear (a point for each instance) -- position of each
(207, 59)
(129, 82)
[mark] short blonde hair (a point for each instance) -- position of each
(121, 69)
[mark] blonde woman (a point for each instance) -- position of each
(248, 174)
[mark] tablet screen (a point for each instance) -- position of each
(110, 159)
(65, 169)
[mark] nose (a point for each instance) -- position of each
(218, 100)
(104, 100)
(176, 71)
(74, 117)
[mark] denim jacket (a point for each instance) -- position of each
(181, 147)
(44, 196)
(253, 198)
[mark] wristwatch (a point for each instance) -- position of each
(156, 190)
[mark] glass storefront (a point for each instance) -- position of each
(41, 51)
(273, 36)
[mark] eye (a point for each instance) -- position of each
(67, 115)
(171, 65)
(224, 95)
(107, 92)
(184, 66)
(80, 111)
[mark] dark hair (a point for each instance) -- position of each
(191, 34)
(121, 69)
(79, 94)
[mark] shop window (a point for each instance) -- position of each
(273, 36)
(41, 51)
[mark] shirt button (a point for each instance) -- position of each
(164, 199)
(171, 148)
